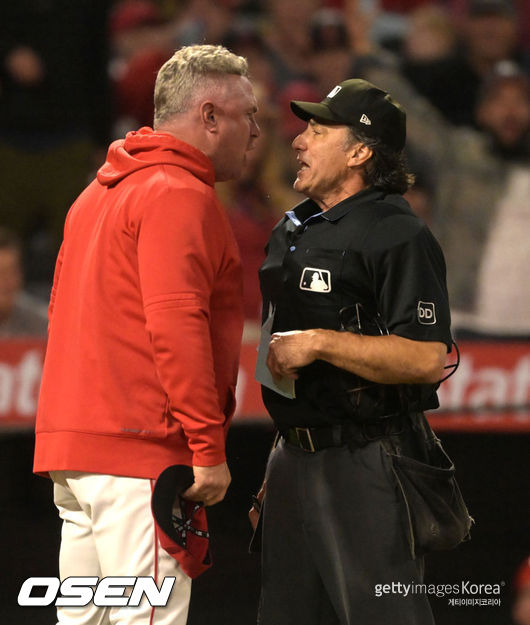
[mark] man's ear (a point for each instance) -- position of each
(359, 154)
(209, 116)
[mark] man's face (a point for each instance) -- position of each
(238, 129)
(321, 151)
(491, 38)
(505, 113)
(10, 280)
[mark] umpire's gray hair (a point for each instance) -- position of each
(188, 72)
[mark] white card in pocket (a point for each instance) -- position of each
(284, 386)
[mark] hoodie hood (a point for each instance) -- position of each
(144, 148)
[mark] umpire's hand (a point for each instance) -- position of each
(290, 351)
(210, 486)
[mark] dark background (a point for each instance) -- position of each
(492, 470)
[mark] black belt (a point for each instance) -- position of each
(351, 434)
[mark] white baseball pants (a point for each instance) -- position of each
(108, 530)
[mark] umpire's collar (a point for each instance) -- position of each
(309, 208)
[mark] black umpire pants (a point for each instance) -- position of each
(333, 534)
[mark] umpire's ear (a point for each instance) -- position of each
(358, 154)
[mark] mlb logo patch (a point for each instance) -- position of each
(426, 313)
(316, 280)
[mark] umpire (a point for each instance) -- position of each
(354, 293)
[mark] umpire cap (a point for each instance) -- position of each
(365, 107)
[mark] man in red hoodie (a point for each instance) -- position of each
(145, 323)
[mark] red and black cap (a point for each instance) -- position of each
(182, 525)
(365, 107)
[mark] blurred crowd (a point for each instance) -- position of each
(75, 75)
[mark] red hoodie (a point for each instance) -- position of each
(145, 318)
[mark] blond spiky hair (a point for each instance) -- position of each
(187, 72)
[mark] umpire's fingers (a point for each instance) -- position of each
(273, 364)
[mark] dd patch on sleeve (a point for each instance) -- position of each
(426, 313)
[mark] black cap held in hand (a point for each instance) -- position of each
(182, 525)
(363, 106)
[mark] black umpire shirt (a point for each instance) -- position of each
(367, 265)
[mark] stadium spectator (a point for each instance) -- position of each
(341, 48)
(430, 36)
(54, 113)
(244, 38)
(332, 52)
(257, 200)
(290, 128)
(20, 313)
(142, 41)
(203, 21)
(489, 35)
(481, 212)
(287, 37)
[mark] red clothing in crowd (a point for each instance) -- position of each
(145, 318)
(252, 235)
(134, 90)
